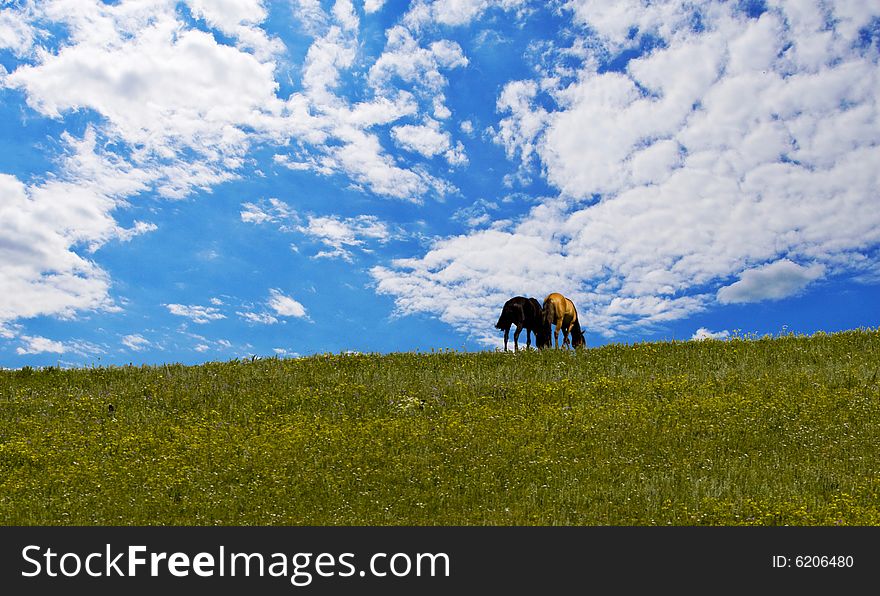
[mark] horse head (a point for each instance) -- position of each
(578, 340)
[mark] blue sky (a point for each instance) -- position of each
(195, 181)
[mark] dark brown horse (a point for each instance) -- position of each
(560, 312)
(526, 314)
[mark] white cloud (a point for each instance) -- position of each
(40, 272)
(40, 345)
(280, 305)
(239, 19)
(615, 21)
(16, 33)
(204, 344)
(285, 306)
(341, 130)
(455, 12)
(477, 214)
(519, 131)
(426, 139)
(371, 6)
(140, 227)
(9, 331)
(703, 333)
(159, 87)
(405, 59)
(136, 342)
(363, 158)
(340, 235)
(196, 313)
(165, 92)
(228, 15)
(262, 318)
(272, 211)
(343, 11)
(770, 282)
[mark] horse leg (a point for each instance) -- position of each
(516, 338)
(529, 337)
(506, 332)
(565, 340)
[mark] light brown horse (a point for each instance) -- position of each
(560, 311)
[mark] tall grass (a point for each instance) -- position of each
(754, 431)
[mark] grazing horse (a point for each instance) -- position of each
(524, 313)
(560, 311)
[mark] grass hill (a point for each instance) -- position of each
(751, 431)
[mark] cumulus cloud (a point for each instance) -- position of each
(195, 313)
(406, 60)
(279, 304)
(739, 145)
(770, 282)
(371, 6)
(455, 12)
(262, 318)
(40, 345)
(40, 272)
(191, 94)
(703, 333)
(518, 132)
(239, 19)
(136, 342)
(272, 211)
(426, 139)
(285, 306)
(285, 353)
(477, 214)
(340, 235)
(204, 344)
(16, 34)
(339, 131)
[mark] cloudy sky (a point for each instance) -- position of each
(216, 179)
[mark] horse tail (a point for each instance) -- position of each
(504, 321)
(548, 311)
(577, 332)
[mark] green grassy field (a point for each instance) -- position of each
(749, 431)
